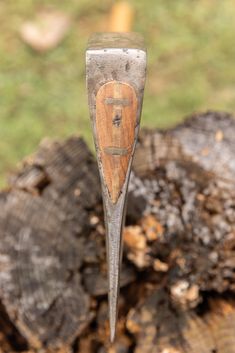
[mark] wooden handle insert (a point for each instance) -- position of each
(116, 111)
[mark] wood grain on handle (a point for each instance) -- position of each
(116, 110)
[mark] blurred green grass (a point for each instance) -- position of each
(191, 67)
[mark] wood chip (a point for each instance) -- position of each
(160, 266)
(184, 294)
(219, 135)
(136, 244)
(152, 228)
(134, 238)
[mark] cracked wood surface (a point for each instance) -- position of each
(178, 279)
(41, 248)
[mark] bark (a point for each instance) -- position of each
(178, 277)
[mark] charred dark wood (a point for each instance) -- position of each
(179, 247)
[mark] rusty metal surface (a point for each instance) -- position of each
(119, 57)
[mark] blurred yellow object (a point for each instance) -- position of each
(121, 17)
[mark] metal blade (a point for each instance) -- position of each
(114, 241)
(116, 70)
(114, 220)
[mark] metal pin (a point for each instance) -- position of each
(115, 73)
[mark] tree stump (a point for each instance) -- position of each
(178, 276)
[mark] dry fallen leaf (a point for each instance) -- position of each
(46, 31)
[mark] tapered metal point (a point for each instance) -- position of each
(115, 73)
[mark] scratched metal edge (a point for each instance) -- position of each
(100, 66)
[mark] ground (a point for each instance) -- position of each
(190, 67)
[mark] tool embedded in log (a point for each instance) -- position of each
(115, 71)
